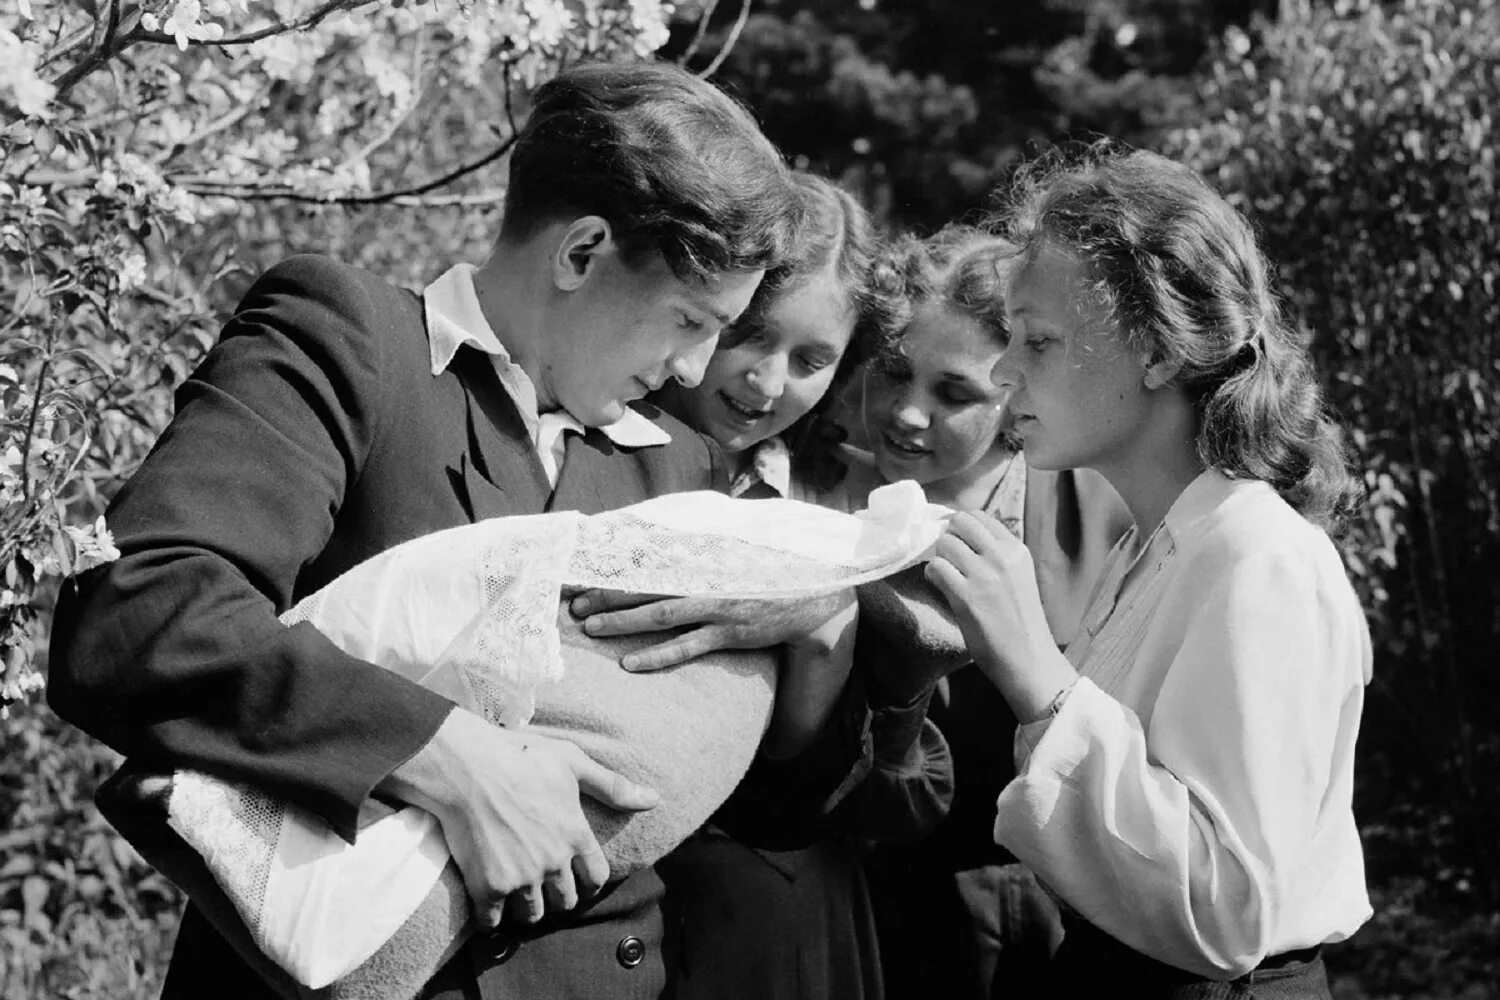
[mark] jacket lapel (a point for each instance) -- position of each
(596, 475)
(499, 473)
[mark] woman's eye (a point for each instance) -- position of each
(955, 397)
(1037, 344)
(811, 363)
(690, 324)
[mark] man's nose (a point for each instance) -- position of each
(769, 377)
(688, 366)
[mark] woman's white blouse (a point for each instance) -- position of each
(1192, 795)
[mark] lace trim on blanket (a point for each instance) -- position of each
(234, 828)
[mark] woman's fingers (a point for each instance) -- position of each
(959, 554)
(944, 576)
(592, 602)
(685, 647)
(657, 615)
(982, 533)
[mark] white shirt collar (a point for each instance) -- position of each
(771, 463)
(454, 320)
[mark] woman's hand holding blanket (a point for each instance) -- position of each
(987, 576)
(713, 623)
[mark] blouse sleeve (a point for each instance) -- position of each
(1183, 836)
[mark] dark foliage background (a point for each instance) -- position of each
(1359, 136)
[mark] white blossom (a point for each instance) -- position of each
(19, 83)
(132, 272)
(93, 545)
(186, 24)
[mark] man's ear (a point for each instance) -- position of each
(1160, 372)
(578, 252)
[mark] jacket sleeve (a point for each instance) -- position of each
(173, 654)
(909, 789)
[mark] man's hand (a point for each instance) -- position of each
(713, 623)
(508, 803)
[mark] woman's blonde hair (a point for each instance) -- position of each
(1182, 271)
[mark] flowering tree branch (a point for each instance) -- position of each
(282, 192)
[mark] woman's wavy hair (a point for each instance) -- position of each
(964, 268)
(837, 236)
(1186, 280)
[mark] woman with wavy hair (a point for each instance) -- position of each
(1186, 768)
(750, 923)
(955, 912)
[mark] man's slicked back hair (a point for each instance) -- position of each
(675, 165)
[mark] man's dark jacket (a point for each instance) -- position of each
(312, 437)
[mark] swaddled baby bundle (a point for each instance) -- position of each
(478, 613)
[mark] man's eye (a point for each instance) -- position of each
(690, 324)
(1038, 344)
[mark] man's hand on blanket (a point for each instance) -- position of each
(712, 623)
(508, 803)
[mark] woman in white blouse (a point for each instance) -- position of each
(1185, 771)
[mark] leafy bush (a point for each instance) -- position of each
(1361, 138)
(81, 915)
(154, 156)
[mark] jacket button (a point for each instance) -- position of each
(498, 948)
(630, 952)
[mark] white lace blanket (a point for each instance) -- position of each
(473, 612)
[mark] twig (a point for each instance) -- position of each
(692, 49)
(385, 134)
(118, 41)
(36, 410)
(218, 125)
(113, 27)
(251, 192)
(729, 41)
(510, 113)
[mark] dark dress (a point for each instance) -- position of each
(749, 923)
(313, 436)
(958, 917)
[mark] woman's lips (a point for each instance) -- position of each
(739, 412)
(901, 449)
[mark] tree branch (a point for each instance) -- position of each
(386, 134)
(117, 41)
(692, 49)
(404, 196)
(733, 36)
(275, 28)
